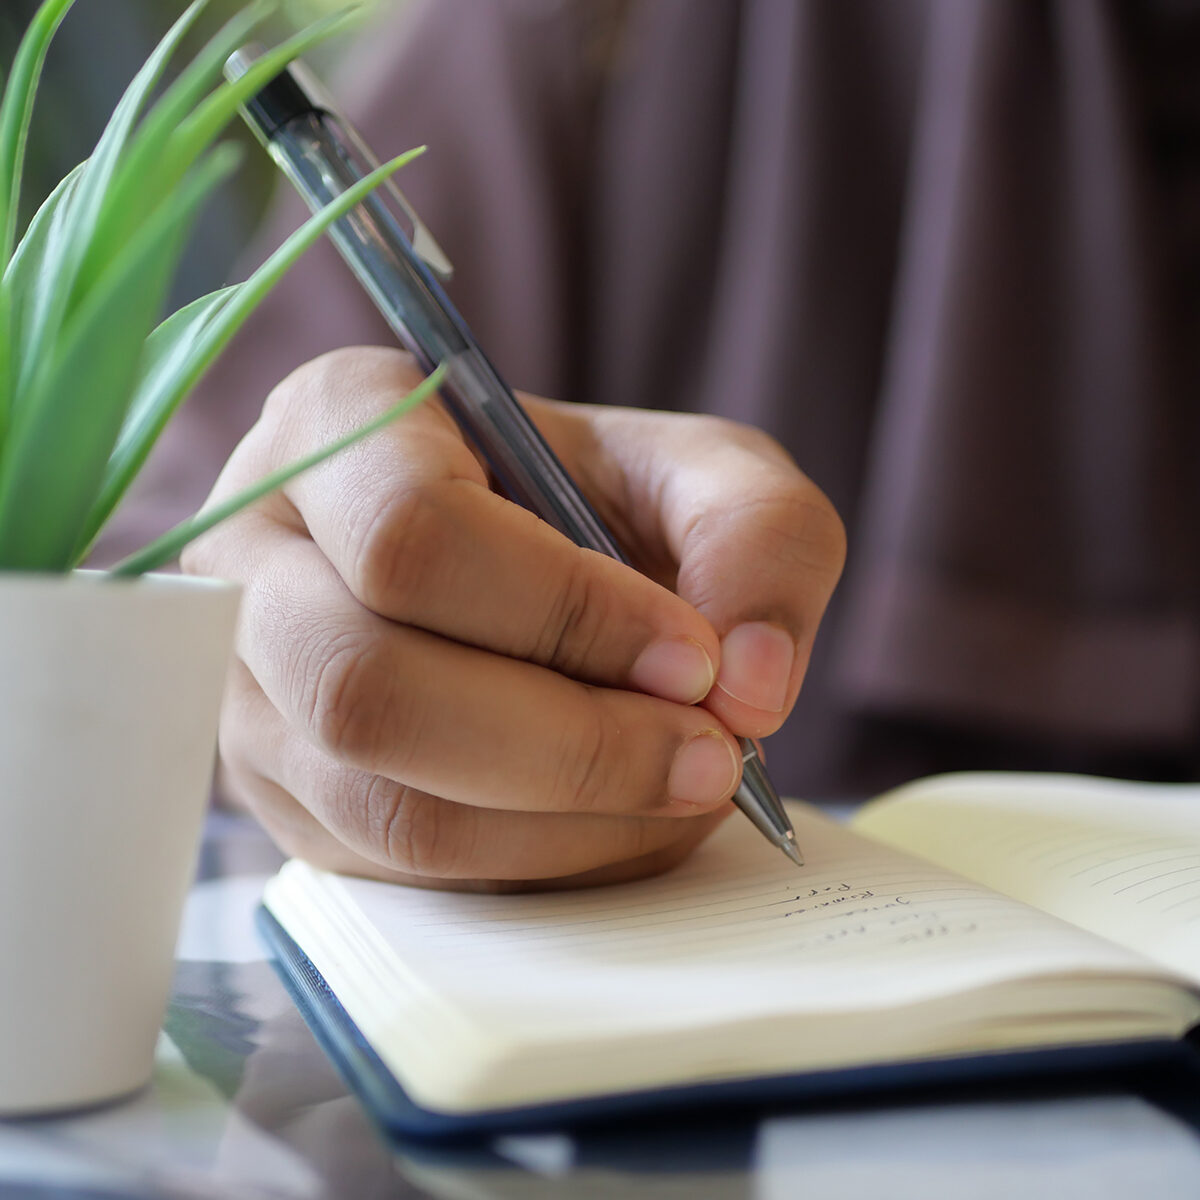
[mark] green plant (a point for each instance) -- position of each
(88, 377)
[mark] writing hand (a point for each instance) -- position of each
(434, 686)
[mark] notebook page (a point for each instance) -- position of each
(1120, 859)
(736, 933)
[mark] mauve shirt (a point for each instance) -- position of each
(947, 251)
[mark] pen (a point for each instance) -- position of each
(399, 264)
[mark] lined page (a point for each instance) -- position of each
(1120, 859)
(736, 933)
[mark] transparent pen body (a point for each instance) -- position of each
(322, 158)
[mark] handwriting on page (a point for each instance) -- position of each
(900, 907)
(732, 930)
(854, 903)
(919, 923)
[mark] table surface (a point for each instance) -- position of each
(245, 1105)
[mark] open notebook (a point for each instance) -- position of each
(960, 920)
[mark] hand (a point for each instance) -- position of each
(434, 686)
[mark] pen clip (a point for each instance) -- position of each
(424, 245)
(422, 241)
(311, 93)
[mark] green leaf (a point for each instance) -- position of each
(102, 166)
(186, 345)
(24, 270)
(51, 292)
(139, 185)
(168, 353)
(164, 358)
(175, 134)
(61, 437)
(16, 109)
(28, 284)
(29, 258)
(85, 388)
(103, 161)
(168, 547)
(6, 371)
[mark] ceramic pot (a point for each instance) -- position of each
(109, 693)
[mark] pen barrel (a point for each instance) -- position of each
(322, 163)
(526, 469)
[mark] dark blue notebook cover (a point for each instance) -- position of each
(399, 1117)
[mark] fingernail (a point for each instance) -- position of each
(676, 669)
(705, 770)
(756, 665)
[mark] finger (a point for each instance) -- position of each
(352, 822)
(758, 546)
(452, 720)
(407, 520)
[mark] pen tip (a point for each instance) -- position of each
(789, 848)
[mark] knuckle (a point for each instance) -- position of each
(589, 765)
(332, 385)
(347, 700)
(197, 556)
(369, 366)
(717, 430)
(231, 785)
(294, 830)
(574, 625)
(219, 552)
(240, 740)
(292, 391)
(397, 548)
(821, 531)
(290, 826)
(233, 747)
(417, 832)
(785, 501)
(348, 801)
(804, 529)
(227, 549)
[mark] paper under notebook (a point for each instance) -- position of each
(957, 917)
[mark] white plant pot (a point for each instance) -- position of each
(109, 692)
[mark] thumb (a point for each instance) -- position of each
(760, 550)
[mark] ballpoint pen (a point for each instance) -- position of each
(399, 264)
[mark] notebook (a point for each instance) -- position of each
(961, 927)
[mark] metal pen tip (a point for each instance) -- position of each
(789, 847)
(758, 799)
